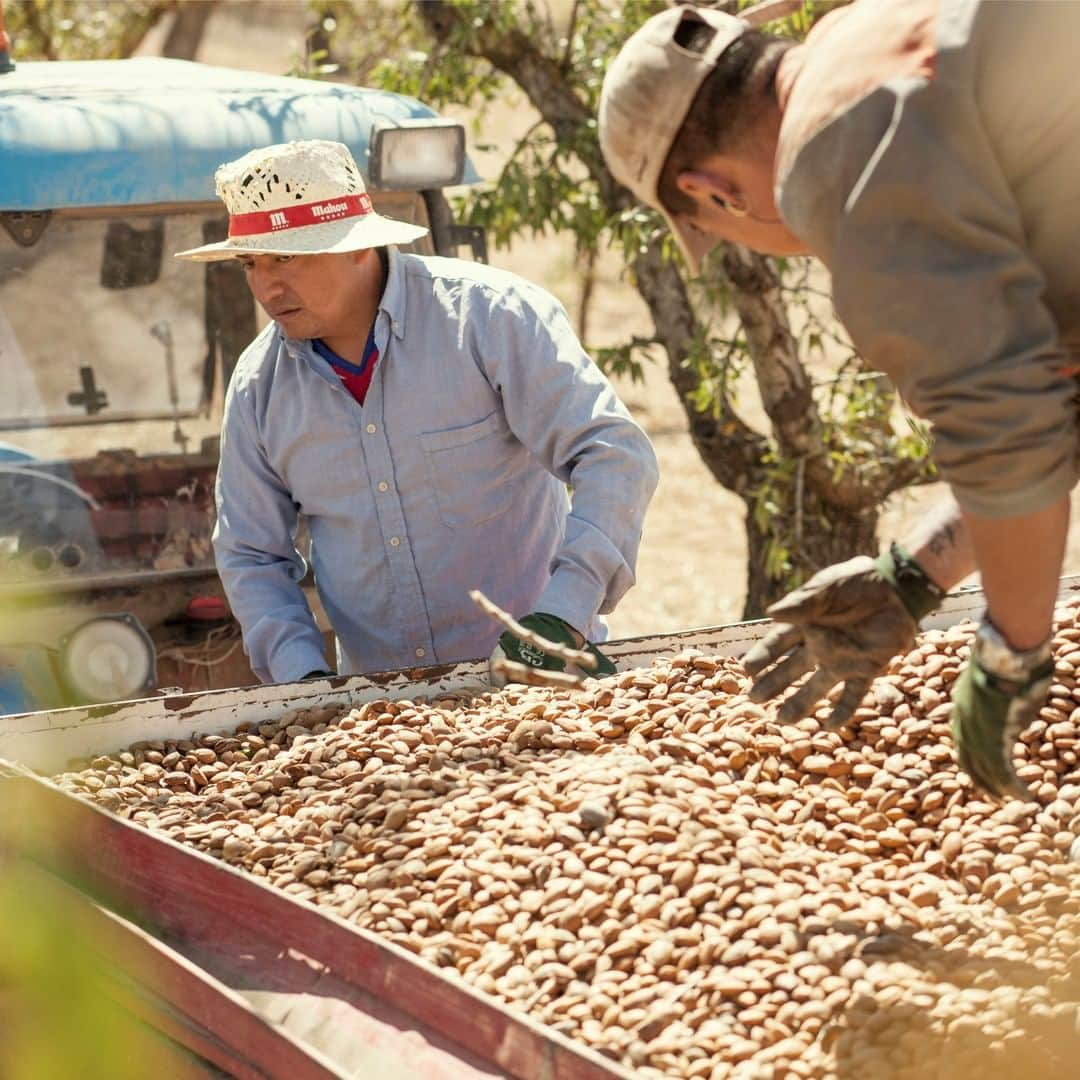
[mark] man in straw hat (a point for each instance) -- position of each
(928, 153)
(426, 415)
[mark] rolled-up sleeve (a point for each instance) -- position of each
(564, 410)
(257, 560)
(903, 198)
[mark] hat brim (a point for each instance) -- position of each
(693, 243)
(327, 237)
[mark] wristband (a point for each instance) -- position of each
(919, 594)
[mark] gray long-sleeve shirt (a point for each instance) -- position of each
(930, 156)
(453, 475)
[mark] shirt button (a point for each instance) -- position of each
(383, 485)
(421, 652)
(395, 541)
(371, 429)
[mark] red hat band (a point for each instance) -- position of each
(299, 215)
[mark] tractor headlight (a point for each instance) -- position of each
(108, 658)
(414, 155)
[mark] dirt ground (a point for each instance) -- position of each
(691, 568)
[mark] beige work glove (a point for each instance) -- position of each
(846, 624)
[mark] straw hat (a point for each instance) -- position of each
(298, 198)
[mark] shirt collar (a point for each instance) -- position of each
(394, 294)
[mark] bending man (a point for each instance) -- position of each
(894, 145)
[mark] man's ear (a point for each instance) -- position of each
(704, 186)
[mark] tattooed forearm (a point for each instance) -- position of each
(944, 538)
(941, 545)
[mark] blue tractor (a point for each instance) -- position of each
(114, 357)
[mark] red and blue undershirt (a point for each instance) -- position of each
(356, 378)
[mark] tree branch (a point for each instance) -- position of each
(516, 54)
(571, 29)
(135, 27)
(785, 387)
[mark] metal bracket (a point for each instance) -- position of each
(447, 234)
(25, 226)
(473, 235)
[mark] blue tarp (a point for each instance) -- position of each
(148, 130)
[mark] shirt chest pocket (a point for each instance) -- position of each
(473, 470)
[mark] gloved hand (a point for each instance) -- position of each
(554, 629)
(998, 694)
(847, 622)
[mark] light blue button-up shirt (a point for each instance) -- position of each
(452, 476)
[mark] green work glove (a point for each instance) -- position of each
(998, 694)
(553, 629)
(845, 624)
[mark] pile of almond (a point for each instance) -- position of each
(655, 866)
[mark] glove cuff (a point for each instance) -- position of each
(565, 628)
(1012, 671)
(919, 594)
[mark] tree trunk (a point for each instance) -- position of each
(189, 24)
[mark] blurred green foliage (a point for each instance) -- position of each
(57, 1018)
(57, 1021)
(79, 29)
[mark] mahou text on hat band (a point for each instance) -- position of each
(295, 217)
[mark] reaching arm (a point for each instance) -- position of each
(1020, 590)
(941, 545)
(905, 199)
(254, 545)
(559, 404)
(1020, 562)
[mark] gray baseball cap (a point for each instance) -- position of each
(647, 93)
